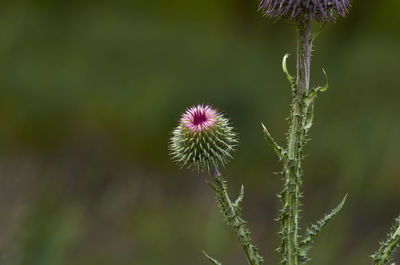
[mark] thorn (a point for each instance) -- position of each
(278, 150)
(326, 79)
(315, 91)
(214, 261)
(284, 63)
(315, 35)
(310, 117)
(240, 198)
(397, 233)
(212, 186)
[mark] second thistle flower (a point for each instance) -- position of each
(302, 10)
(203, 139)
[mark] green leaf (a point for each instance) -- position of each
(277, 149)
(315, 229)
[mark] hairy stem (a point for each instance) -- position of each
(231, 212)
(296, 139)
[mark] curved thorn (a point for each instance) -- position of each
(313, 92)
(284, 64)
(285, 70)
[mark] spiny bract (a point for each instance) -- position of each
(203, 139)
(302, 10)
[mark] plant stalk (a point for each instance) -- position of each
(231, 212)
(387, 248)
(296, 139)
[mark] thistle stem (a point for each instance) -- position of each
(386, 250)
(231, 212)
(397, 233)
(296, 139)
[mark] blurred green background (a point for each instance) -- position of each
(91, 90)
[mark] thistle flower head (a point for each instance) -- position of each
(302, 10)
(199, 118)
(203, 139)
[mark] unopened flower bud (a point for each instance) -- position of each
(203, 139)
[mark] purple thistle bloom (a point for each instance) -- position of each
(302, 10)
(199, 118)
(203, 139)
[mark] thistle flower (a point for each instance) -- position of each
(203, 139)
(302, 10)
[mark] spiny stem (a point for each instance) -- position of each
(385, 252)
(397, 233)
(231, 212)
(296, 139)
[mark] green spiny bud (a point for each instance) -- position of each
(203, 139)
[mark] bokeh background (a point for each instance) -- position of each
(90, 91)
